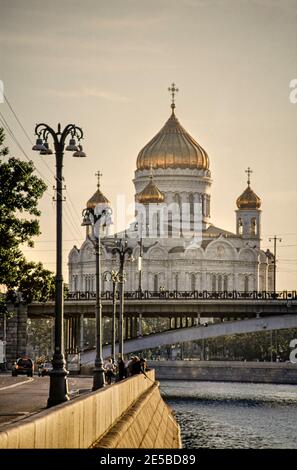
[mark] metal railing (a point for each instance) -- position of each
(187, 295)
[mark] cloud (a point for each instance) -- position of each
(87, 92)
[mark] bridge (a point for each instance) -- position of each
(174, 304)
(200, 332)
(180, 309)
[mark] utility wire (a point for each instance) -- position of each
(15, 140)
(43, 161)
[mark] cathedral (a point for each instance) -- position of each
(175, 244)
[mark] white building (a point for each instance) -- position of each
(172, 184)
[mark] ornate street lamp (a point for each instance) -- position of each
(123, 250)
(140, 257)
(96, 217)
(58, 392)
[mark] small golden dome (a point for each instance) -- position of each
(248, 200)
(172, 147)
(150, 194)
(98, 197)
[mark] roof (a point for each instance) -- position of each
(172, 147)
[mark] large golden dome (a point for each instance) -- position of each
(150, 194)
(248, 200)
(172, 147)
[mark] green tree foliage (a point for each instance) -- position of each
(20, 191)
(35, 282)
(258, 346)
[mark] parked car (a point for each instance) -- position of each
(44, 369)
(23, 366)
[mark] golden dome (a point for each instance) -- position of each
(248, 200)
(98, 197)
(172, 147)
(150, 194)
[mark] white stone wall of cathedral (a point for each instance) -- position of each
(182, 183)
(178, 274)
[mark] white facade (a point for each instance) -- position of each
(218, 261)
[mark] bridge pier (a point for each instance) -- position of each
(125, 328)
(81, 332)
(13, 329)
(140, 324)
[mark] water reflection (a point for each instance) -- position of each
(234, 415)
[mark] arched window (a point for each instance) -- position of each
(158, 224)
(219, 283)
(178, 229)
(226, 283)
(156, 282)
(213, 283)
(176, 281)
(191, 202)
(253, 226)
(193, 282)
(240, 227)
(246, 283)
(169, 225)
(74, 283)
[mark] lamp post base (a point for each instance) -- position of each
(98, 377)
(58, 392)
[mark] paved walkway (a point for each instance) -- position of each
(22, 396)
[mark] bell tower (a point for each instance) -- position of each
(248, 214)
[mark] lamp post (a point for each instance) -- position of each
(122, 249)
(140, 267)
(95, 217)
(114, 277)
(274, 239)
(140, 256)
(58, 392)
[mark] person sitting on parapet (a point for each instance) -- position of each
(109, 371)
(122, 370)
(136, 366)
(129, 365)
(143, 365)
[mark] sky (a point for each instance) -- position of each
(106, 67)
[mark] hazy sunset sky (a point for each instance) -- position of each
(106, 66)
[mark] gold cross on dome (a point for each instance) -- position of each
(173, 90)
(249, 172)
(98, 174)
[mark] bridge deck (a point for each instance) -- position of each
(173, 307)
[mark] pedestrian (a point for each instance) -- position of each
(122, 371)
(136, 366)
(109, 371)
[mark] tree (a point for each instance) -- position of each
(20, 191)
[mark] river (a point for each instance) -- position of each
(234, 415)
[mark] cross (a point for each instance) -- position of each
(249, 172)
(173, 90)
(98, 174)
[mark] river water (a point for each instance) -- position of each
(234, 415)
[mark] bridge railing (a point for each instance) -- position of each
(187, 295)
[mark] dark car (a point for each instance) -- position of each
(23, 366)
(44, 369)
